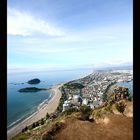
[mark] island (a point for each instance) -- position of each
(34, 81)
(31, 89)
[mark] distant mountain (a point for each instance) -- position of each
(124, 66)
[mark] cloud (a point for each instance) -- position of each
(25, 24)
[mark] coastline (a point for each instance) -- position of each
(50, 107)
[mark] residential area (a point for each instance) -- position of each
(91, 90)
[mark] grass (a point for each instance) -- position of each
(101, 111)
(21, 136)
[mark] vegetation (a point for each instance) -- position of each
(47, 116)
(102, 110)
(130, 98)
(108, 91)
(20, 137)
(51, 132)
(62, 99)
(73, 86)
(120, 106)
(25, 129)
(69, 111)
(42, 121)
(85, 112)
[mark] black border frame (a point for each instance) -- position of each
(3, 70)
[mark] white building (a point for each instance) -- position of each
(66, 105)
(77, 98)
(85, 102)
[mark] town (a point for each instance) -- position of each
(91, 90)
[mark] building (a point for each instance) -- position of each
(66, 105)
(85, 102)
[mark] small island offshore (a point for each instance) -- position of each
(31, 89)
(34, 81)
(93, 106)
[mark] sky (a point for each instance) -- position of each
(54, 34)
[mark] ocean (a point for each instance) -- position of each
(21, 105)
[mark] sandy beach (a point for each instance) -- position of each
(50, 108)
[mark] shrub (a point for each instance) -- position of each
(70, 111)
(47, 116)
(33, 125)
(42, 121)
(85, 112)
(47, 137)
(130, 98)
(24, 129)
(120, 107)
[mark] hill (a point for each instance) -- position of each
(112, 121)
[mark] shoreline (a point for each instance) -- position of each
(30, 114)
(50, 107)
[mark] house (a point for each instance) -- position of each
(85, 101)
(66, 105)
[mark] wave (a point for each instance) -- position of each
(44, 102)
(31, 113)
(21, 118)
(17, 121)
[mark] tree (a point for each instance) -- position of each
(36, 124)
(24, 129)
(42, 121)
(85, 112)
(33, 125)
(47, 115)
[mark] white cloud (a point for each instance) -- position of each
(25, 24)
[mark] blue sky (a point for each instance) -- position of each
(69, 33)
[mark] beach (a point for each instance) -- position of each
(50, 107)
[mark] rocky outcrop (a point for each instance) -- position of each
(128, 109)
(120, 93)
